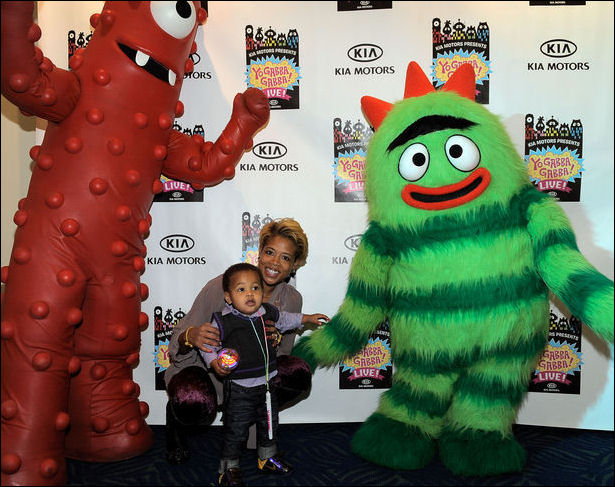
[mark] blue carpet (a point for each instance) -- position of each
(320, 454)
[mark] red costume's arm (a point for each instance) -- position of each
(29, 79)
(202, 163)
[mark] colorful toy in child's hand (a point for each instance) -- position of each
(460, 253)
(228, 358)
(71, 314)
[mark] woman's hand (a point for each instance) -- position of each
(221, 371)
(203, 336)
(315, 319)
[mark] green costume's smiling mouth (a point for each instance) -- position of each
(448, 196)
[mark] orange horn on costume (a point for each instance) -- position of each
(462, 82)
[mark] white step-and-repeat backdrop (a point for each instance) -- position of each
(546, 70)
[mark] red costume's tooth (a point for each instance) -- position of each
(39, 310)
(54, 200)
(62, 421)
(73, 145)
(20, 218)
(98, 186)
(41, 361)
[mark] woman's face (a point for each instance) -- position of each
(276, 259)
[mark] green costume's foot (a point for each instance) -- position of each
(480, 453)
(393, 444)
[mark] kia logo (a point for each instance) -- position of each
(352, 242)
(364, 53)
(177, 243)
(269, 150)
(558, 48)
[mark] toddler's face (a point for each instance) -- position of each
(246, 292)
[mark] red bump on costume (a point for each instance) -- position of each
(129, 289)
(100, 425)
(143, 227)
(189, 66)
(39, 310)
(144, 291)
(22, 255)
(44, 161)
(95, 116)
(7, 330)
(119, 248)
(138, 264)
(69, 227)
(229, 172)
(157, 186)
(19, 83)
(11, 463)
(8, 409)
(195, 163)
(123, 213)
(54, 200)
(38, 55)
(107, 18)
(94, 18)
(34, 152)
(74, 365)
(20, 217)
(98, 186)
(73, 145)
(49, 468)
(98, 371)
(34, 33)
(49, 97)
(101, 77)
(46, 65)
(116, 146)
(144, 408)
(164, 121)
(74, 316)
(119, 332)
(4, 273)
(75, 62)
(41, 361)
(140, 120)
(179, 109)
(133, 177)
(143, 321)
(134, 426)
(133, 358)
(160, 152)
(128, 387)
(65, 277)
(226, 146)
(62, 421)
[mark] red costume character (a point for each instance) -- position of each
(71, 317)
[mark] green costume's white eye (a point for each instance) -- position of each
(414, 162)
(462, 153)
(175, 18)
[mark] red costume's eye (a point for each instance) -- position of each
(175, 18)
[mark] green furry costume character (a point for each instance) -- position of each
(460, 253)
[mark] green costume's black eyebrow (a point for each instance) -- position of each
(426, 125)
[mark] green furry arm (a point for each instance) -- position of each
(587, 293)
(363, 309)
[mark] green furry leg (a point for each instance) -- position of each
(480, 453)
(393, 444)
